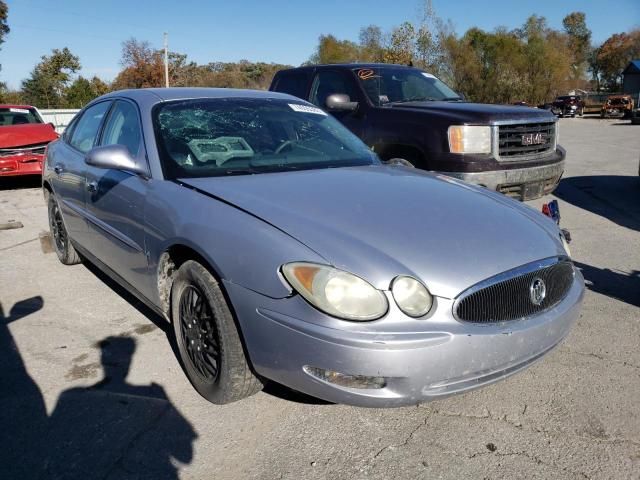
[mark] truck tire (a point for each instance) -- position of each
(208, 340)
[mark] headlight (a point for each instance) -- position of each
(412, 297)
(469, 139)
(336, 292)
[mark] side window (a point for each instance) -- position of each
(293, 83)
(86, 128)
(329, 82)
(123, 127)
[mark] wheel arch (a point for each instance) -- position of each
(170, 261)
(412, 153)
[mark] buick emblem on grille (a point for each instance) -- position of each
(533, 139)
(537, 291)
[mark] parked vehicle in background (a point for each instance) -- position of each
(23, 139)
(617, 106)
(568, 106)
(281, 248)
(404, 112)
(635, 116)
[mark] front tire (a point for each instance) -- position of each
(207, 337)
(59, 235)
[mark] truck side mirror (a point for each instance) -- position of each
(340, 102)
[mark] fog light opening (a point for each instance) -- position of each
(344, 380)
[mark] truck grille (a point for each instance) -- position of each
(511, 145)
(509, 296)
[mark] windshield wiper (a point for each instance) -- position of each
(414, 99)
(452, 99)
(241, 171)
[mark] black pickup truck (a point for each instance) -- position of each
(404, 112)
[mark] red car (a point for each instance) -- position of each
(23, 138)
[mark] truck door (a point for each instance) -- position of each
(328, 82)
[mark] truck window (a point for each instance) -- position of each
(292, 83)
(329, 82)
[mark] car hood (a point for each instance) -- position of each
(27, 134)
(381, 221)
(476, 112)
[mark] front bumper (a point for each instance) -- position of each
(522, 183)
(421, 360)
(21, 165)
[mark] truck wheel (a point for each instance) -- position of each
(581, 113)
(208, 340)
(59, 236)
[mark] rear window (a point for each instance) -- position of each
(18, 116)
(294, 83)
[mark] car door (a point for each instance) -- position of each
(115, 199)
(67, 162)
(328, 82)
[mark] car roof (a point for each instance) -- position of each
(184, 93)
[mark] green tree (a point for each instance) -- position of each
(371, 41)
(332, 50)
(4, 31)
(46, 85)
(82, 91)
(402, 45)
(575, 26)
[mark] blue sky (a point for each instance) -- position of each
(268, 30)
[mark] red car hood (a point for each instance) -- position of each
(28, 134)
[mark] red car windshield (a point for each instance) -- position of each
(18, 116)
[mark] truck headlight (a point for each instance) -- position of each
(469, 139)
(336, 292)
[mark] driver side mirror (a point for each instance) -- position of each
(340, 102)
(116, 157)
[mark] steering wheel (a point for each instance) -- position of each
(283, 145)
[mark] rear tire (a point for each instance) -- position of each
(59, 235)
(208, 340)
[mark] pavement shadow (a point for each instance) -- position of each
(116, 430)
(614, 197)
(20, 182)
(615, 284)
(23, 414)
(109, 430)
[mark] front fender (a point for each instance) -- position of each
(239, 247)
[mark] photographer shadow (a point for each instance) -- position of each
(112, 429)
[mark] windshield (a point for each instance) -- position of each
(617, 101)
(394, 85)
(235, 136)
(18, 116)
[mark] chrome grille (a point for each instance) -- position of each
(510, 143)
(36, 149)
(508, 296)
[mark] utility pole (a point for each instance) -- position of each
(166, 59)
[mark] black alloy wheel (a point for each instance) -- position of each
(199, 334)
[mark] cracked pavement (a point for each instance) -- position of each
(90, 382)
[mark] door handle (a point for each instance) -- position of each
(58, 169)
(92, 187)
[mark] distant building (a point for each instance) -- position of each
(631, 80)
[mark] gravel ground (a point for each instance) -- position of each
(66, 330)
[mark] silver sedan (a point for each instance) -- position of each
(282, 249)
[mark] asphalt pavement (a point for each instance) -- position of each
(90, 385)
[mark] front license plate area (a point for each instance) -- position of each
(532, 190)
